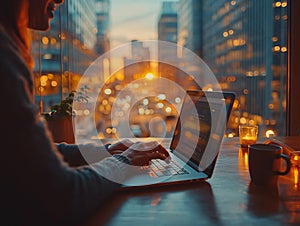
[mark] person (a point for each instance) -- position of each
(42, 182)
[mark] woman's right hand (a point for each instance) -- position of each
(119, 147)
(141, 153)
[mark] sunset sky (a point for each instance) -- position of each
(134, 19)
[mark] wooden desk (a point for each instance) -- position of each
(228, 198)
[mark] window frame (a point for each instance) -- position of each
(293, 90)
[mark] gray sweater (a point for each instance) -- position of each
(41, 182)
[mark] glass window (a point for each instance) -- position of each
(244, 43)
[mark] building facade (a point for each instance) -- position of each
(244, 43)
(167, 23)
(63, 53)
(103, 26)
(190, 25)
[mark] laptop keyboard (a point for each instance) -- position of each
(159, 168)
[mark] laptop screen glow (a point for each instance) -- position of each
(200, 128)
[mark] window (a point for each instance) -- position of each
(250, 46)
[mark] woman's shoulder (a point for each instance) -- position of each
(12, 64)
(9, 55)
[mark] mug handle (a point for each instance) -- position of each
(288, 164)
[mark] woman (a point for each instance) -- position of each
(38, 183)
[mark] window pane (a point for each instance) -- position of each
(244, 43)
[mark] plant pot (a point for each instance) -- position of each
(61, 129)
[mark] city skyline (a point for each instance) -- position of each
(140, 22)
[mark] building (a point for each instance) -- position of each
(244, 43)
(63, 53)
(167, 23)
(103, 26)
(190, 25)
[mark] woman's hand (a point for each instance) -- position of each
(141, 153)
(119, 147)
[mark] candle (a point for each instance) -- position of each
(248, 135)
(247, 140)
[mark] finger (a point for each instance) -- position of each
(162, 150)
(162, 156)
(114, 152)
(121, 145)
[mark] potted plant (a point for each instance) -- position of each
(61, 115)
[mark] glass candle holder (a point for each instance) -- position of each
(248, 135)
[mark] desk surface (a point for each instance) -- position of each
(228, 198)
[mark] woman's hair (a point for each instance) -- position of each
(14, 19)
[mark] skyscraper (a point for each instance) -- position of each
(244, 46)
(63, 53)
(190, 18)
(167, 24)
(103, 24)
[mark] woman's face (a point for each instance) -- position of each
(41, 12)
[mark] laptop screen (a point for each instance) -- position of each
(200, 127)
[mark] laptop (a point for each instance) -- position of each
(195, 143)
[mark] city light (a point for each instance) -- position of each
(177, 100)
(225, 34)
(54, 83)
(168, 109)
(145, 101)
(284, 4)
(270, 133)
(159, 105)
(161, 97)
(107, 91)
(149, 76)
(45, 40)
(277, 4)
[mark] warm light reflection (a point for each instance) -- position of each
(296, 177)
(246, 159)
(243, 120)
(230, 135)
(243, 162)
(156, 200)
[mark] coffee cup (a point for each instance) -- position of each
(265, 163)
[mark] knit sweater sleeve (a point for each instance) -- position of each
(82, 154)
(37, 185)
